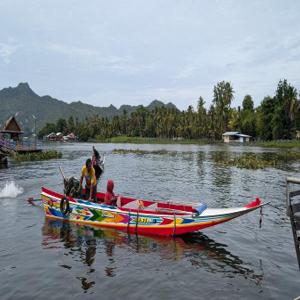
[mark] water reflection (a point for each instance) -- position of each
(217, 258)
(197, 249)
(3, 162)
(200, 163)
(221, 176)
(85, 284)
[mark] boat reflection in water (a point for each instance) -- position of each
(3, 162)
(84, 243)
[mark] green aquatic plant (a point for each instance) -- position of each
(139, 151)
(256, 161)
(35, 156)
(252, 161)
(220, 156)
(285, 144)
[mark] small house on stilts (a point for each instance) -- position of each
(11, 139)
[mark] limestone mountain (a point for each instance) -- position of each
(24, 102)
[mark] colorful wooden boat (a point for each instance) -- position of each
(140, 216)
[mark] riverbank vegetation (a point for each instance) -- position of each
(35, 156)
(140, 152)
(147, 140)
(278, 144)
(255, 160)
(248, 160)
(276, 118)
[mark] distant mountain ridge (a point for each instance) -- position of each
(27, 104)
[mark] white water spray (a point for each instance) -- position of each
(10, 190)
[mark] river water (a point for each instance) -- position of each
(42, 259)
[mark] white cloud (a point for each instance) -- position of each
(93, 60)
(7, 50)
(71, 50)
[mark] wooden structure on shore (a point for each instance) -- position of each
(293, 211)
(236, 137)
(11, 141)
(12, 130)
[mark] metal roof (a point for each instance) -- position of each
(231, 133)
(235, 133)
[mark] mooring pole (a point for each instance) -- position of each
(293, 211)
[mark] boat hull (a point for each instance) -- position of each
(138, 222)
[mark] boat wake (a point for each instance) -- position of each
(10, 190)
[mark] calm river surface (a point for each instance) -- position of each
(40, 259)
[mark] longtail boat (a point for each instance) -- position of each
(138, 215)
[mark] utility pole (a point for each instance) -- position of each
(34, 130)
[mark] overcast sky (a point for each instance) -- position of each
(131, 52)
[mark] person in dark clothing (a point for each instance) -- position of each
(96, 154)
(96, 163)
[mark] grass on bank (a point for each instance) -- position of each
(278, 144)
(145, 140)
(285, 144)
(35, 156)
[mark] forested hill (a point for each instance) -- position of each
(276, 118)
(24, 100)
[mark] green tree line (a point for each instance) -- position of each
(275, 118)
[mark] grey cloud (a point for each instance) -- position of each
(135, 51)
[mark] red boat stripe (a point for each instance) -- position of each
(166, 221)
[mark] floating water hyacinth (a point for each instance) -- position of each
(45, 155)
(139, 151)
(256, 160)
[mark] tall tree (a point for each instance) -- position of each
(265, 114)
(248, 122)
(71, 124)
(201, 118)
(211, 123)
(285, 108)
(61, 125)
(48, 128)
(223, 96)
(234, 120)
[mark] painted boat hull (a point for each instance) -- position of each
(139, 221)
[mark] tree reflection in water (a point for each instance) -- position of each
(221, 176)
(3, 162)
(197, 249)
(201, 156)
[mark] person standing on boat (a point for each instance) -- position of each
(96, 163)
(88, 173)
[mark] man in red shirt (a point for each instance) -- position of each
(110, 198)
